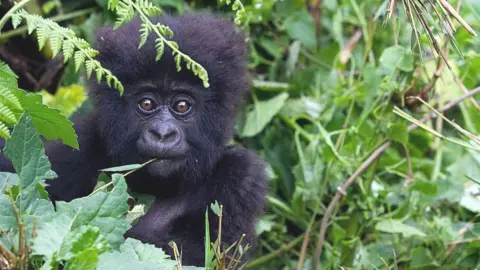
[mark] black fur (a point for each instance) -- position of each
(233, 176)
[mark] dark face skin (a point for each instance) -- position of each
(163, 116)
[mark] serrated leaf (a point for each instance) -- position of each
(68, 49)
(144, 32)
(27, 154)
(16, 20)
(42, 35)
(103, 210)
(262, 113)
(49, 122)
(56, 41)
(58, 240)
(160, 46)
(134, 254)
(79, 59)
(396, 226)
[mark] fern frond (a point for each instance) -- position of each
(148, 8)
(126, 9)
(144, 32)
(8, 98)
(56, 42)
(68, 49)
(4, 132)
(240, 14)
(160, 46)
(16, 20)
(42, 35)
(6, 115)
(65, 40)
(112, 4)
(79, 59)
(125, 12)
(9, 103)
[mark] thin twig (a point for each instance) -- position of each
(303, 251)
(341, 191)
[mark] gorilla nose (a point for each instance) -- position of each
(166, 132)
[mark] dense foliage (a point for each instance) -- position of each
(370, 135)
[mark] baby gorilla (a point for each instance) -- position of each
(169, 116)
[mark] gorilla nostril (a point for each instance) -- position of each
(165, 133)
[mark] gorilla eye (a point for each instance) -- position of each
(181, 107)
(147, 105)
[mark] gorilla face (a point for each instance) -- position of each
(165, 118)
(166, 114)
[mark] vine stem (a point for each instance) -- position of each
(15, 8)
(341, 191)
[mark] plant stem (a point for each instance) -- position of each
(9, 14)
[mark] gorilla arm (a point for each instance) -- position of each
(238, 183)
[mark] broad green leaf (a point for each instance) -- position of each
(300, 26)
(302, 105)
(103, 210)
(27, 154)
(396, 226)
(134, 254)
(85, 260)
(56, 241)
(425, 187)
(397, 57)
(48, 122)
(7, 180)
(262, 113)
(399, 132)
(123, 168)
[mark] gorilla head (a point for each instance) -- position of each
(166, 114)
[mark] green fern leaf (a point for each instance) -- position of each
(99, 73)
(79, 58)
(90, 52)
(125, 14)
(160, 46)
(68, 49)
(31, 25)
(43, 31)
(81, 43)
(165, 30)
(16, 20)
(5, 68)
(89, 66)
(144, 32)
(178, 61)
(173, 44)
(148, 8)
(4, 132)
(7, 116)
(112, 4)
(8, 98)
(56, 41)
